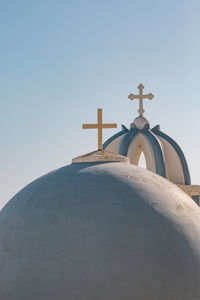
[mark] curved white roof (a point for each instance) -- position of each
(100, 231)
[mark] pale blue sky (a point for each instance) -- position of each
(61, 60)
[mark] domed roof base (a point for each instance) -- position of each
(100, 231)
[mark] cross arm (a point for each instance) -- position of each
(90, 126)
(132, 96)
(111, 125)
(149, 96)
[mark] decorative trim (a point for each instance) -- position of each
(178, 151)
(115, 136)
(126, 140)
(157, 127)
(158, 153)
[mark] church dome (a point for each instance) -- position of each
(162, 154)
(100, 231)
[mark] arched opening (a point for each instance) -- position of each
(141, 153)
(142, 161)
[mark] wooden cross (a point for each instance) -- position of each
(100, 127)
(141, 96)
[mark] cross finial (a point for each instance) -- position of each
(141, 96)
(100, 127)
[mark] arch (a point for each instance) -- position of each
(113, 146)
(158, 152)
(138, 145)
(172, 163)
(179, 152)
(114, 137)
(126, 141)
(142, 161)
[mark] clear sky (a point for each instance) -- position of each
(61, 60)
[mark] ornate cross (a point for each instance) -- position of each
(100, 127)
(141, 96)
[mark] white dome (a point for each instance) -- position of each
(100, 231)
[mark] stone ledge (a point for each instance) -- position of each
(191, 190)
(100, 156)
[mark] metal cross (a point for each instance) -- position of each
(141, 96)
(100, 127)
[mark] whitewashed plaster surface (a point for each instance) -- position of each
(106, 231)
